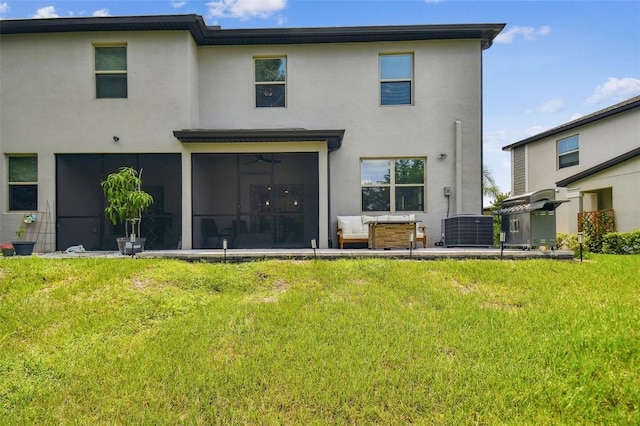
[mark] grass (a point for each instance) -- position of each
(122, 341)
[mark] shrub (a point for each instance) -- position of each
(568, 242)
(621, 242)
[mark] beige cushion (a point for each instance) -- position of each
(345, 224)
(362, 236)
(366, 219)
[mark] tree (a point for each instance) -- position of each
(489, 186)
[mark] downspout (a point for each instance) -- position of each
(329, 235)
(458, 166)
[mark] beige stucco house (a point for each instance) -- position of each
(594, 162)
(262, 136)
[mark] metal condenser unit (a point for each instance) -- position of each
(529, 220)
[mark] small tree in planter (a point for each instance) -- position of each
(22, 247)
(126, 203)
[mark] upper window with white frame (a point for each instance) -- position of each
(568, 152)
(392, 184)
(111, 71)
(23, 183)
(270, 81)
(396, 79)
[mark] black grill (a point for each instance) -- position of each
(529, 220)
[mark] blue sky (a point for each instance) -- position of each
(555, 60)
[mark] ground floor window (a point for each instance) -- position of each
(23, 183)
(392, 184)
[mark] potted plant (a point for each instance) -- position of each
(125, 204)
(22, 247)
(7, 250)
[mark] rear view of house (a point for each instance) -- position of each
(261, 137)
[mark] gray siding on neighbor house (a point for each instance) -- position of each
(519, 171)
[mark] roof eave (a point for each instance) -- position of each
(205, 35)
(333, 138)
(574, 124)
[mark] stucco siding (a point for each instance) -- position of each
(48, 106)
(337, 86)
(48, 93)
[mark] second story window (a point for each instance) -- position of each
(568, 152)
(23, 183)
(111, 71)
(270, 81)
(396, 79)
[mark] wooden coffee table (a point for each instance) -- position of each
(391, 234)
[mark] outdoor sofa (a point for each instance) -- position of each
(355, 229)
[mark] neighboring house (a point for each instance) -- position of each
(593, 161)
(259, 136)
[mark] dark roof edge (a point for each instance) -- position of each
(590, 118)
(333, 138)
(600, 167)
(206, 35)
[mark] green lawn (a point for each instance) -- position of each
(133, 341)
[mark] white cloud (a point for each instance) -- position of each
(615, 90)
(432, 1)
(4, 7)
(528, 33)
(551, 106)
(45, 12)
(176, 4)
(245, 9)
(101, 12)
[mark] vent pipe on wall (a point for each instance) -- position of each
(458, 166)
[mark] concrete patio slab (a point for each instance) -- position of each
(241, 255)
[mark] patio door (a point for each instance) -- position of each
(253, 227)
(265, 200)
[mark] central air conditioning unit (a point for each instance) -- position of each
(468, 230)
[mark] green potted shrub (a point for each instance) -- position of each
(125, 204)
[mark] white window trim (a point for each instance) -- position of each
(396, 80)
(109, 72)
(12, 183)
(573, 151)
(392, 185)
(261, 83)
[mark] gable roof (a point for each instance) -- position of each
(214, 35)
(590, 118)
(600, 167)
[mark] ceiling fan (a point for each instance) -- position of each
(260, 159)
